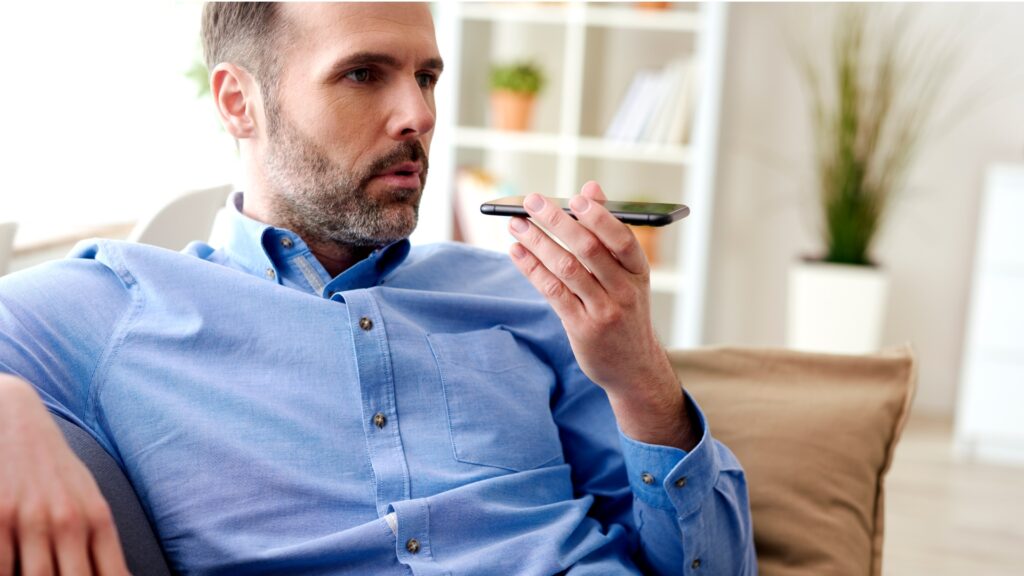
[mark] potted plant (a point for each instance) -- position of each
(869, 110)
(513, 90)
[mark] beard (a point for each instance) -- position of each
(324, 203)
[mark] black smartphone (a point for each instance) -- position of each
(635, 213)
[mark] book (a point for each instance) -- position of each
(657, 129)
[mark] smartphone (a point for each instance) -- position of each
(635, 213)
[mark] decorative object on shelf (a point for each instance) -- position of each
(657, 106)
(652, 5)
(473, 187)
(514, 88)
(648, 237)
(869, 110)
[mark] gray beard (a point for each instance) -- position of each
(322, 203)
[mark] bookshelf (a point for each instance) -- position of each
(590, 53)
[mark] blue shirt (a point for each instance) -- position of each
(421, 413)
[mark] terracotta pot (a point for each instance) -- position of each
(647, 236)
(511, 110)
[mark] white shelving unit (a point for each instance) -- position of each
(988, 421)
(590, 53)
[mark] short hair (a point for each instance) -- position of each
(246, 34)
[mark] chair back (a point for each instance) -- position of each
(184, 219)
(7, 230)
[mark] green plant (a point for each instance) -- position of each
(868, 121)
(200, 76)
(521, 77)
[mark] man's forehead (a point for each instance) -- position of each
(354, 18)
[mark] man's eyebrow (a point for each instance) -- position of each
(433, 64)
(368, 58)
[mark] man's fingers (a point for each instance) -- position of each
(583, 243)
(614, 235)
(593, 191)
(71, 542)
(565, 303)
(73, 557)
(557, 260)
(34, 555)
(107, 556)
(6, 551)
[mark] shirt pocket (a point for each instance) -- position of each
(498, 396)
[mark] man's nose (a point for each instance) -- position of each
(412, 112)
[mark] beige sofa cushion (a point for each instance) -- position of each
(815, 434)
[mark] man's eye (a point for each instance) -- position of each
(426, 80)
(361, 75)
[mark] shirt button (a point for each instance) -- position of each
(413, 545)
(695, 564)
(366, 324)
(380, 420)
(681, 482)
(647, 478)
(270, 273)
(286, 242)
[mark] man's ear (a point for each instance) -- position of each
(237, 98)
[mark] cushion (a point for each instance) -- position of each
(816, 435)
(142, 552)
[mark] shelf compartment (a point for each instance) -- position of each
(499, 140)
(599, 148)
(671, 20)
(674, 154)
(596, 16)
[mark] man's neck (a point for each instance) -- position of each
(336, 258)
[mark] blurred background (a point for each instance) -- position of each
(844, 216)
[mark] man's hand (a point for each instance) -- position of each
(53, 519)
(600, 288)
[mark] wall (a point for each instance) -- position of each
(765, 216)
(100, 122)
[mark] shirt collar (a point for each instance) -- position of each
(280, 255)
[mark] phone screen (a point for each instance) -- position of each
(636, 213)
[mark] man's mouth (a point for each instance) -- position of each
(405, 169)
(404, 175)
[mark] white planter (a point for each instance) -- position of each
(836, 308)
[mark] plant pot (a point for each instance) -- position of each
(836, 308)
(511, 110)
(647, 236)
(652, 5)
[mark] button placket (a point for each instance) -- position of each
(377, 392)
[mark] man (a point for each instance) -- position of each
(317, 398)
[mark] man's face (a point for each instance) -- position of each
(350, 123)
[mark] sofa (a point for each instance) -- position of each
(815, 433)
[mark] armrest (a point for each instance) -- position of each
(141, 547)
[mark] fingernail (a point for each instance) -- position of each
(579, 204)
(519, 225)
(517, 251)
(534, 203)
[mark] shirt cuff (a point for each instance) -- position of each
(670, 478)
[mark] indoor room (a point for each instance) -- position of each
(845, 283)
